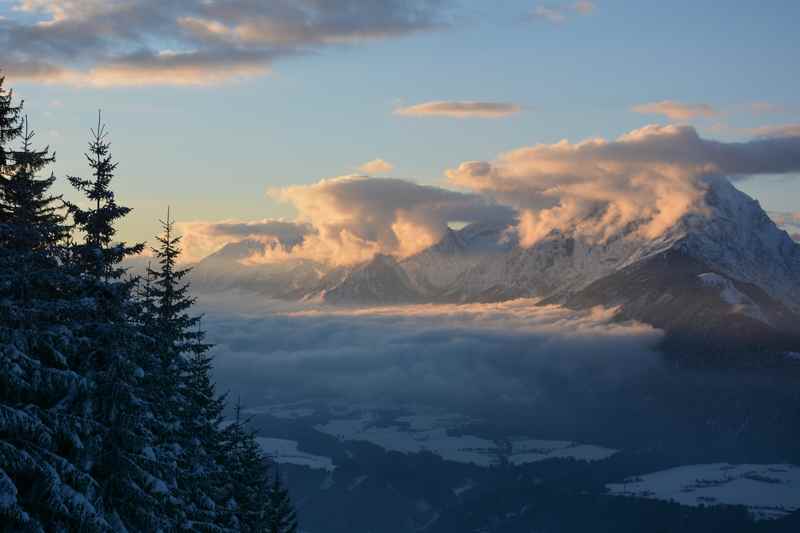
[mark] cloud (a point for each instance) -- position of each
(769, 132)
(676, 110)
(196, 42)
(376, 167)
(200, 239)
(496, 355)
(761, 108)
(355, 217)
(787, 221)
(465, 109)
(560, 13)
(650, 177)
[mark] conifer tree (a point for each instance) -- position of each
(10, 125)
(45, 435)
(136, 480)
(281, 516)
(99, 254)
(253, 491)
(196, 410)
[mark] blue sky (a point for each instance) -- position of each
(212, 151)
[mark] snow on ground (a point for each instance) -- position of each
(414, 435)
(289, 411)
(434, 432)
(466, 486)
(768, 491)
(285, 451)
(792, 355)
(525, 451)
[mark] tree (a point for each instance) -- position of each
(10, 125)
(137, 479)
(99, 254)
(249, 479)
(196, 410)
(45, 436)
(281, 517)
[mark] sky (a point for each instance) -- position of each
(227, 109)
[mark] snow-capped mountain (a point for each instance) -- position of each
(726, 264)
(380, 281)
(228, 268)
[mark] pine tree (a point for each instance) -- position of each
(249, 479)
(45, 437)
(281, 516)
(99, 254)
(196, 409)
(10, 125)
(137, 480)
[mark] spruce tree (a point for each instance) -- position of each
(136, 479)
(189, 395)
(10, 125)
(45, 433)
(281, 516)
(251, 485)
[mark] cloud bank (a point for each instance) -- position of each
(677, 110)
(118, 42)
(641, 184)
(199, 239)
(489, 354)
(463, 109)
(356, 217)
(650, 176)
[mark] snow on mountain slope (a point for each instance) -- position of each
(380, 281)
(732, 235)
(438, 267)
(226, 269)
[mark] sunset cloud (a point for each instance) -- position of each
(460, 109)
(676, 110)
(376, 167)
(784, 130)
(560, 13)
(356, 217)
(650, 176)
(200, 239)
(151, 42)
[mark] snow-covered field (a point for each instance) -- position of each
(414, 435)
(289, 411)
(284, 451)
(525, 451)
(439, 434)
(768, 491)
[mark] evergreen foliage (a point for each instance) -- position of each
(109, 418)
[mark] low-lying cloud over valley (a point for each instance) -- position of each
(511, 353)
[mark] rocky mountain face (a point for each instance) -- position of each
(726, 271)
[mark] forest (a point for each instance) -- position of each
(109, 417)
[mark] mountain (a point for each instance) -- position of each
(437, 268)
(723, 272)
(228, 268)
(380, 281)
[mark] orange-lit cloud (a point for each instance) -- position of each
(650, 177)
(783, 130)
(107, 43)
(560, 13)
(376, 167)
(462, 109)
(676, 110)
